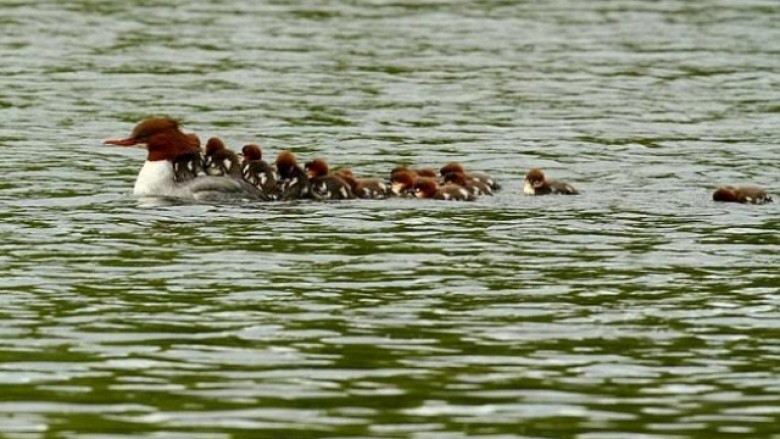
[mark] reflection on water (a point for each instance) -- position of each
(639, 308)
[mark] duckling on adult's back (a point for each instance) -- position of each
(165, 144)
(259, 173)
(293, 180)
(220, 160)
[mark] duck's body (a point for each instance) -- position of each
(742, 194)
(293, 181)
(537, 184)
(220, 160)
(427, 188)
(372, 188)
(402, 183)
(366, 188)
(188, 166)
(473, 186)
(156, 179)
(485, 182)
(326, 186)
(259, 173)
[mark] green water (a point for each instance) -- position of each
(639, 309)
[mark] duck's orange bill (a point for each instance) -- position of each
(121, 142)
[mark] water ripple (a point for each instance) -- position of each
(638, 309)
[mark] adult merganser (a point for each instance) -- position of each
(220, 160)
(537, 184)
(166, 145)
(427, 187)
(742, 194)
(259, 173)
(326, 186)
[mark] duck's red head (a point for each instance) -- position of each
(451, 167)
(458, 178)
(427, 172)
(194, 140)
(535, 177)
(425, 188)
(285, 162)
(252, 152)
(213, 145)
(398, 170)
(316, 168)
(727, 194)
(145, 130)
(346, 175)
(402, 181)
(162, 137)
(344, 172)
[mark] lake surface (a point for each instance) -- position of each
(639, 309)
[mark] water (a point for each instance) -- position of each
(639, 309)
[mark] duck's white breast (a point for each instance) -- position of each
(528, 188)
(155, 179)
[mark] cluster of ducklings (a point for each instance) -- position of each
(287, 180)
